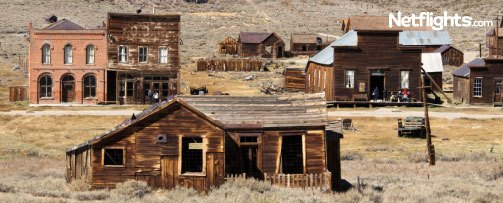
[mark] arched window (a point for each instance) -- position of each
(68, 54)
(46, 54)
(90, 54)
(45, 86)
(89, 86)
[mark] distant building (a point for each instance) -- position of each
(450, 55)
(228, 46)
(493, 36)
(265, 45)
(369, 22)
(306, 44)
(67, 64)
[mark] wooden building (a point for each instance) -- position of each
(432, 64)
(450, 55)
(479, 81)
(228, 46)
(494, 41)
(266, 45)
(370, 22)
(305, 44)
(66, 64)
(197, 141)
(295, 79)
(143, 55)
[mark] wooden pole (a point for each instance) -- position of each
(430, 147)
(436, 85)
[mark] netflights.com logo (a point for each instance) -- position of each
(436, 22)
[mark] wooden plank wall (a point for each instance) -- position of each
(228, 46)
(295, 79)
(18, 93)
(461, 89)
(296, 49)
(78, 165)
(455, 57)
(242, 65)
(494, 69)
(317, 82)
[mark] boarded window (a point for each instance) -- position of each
(46, 54)
(113, 157)
(404, 79)
(89, 86)
(292, 161)
(142, 54)
(349, 78)
(45, 86)
(163, 55)
(123, 54)
(90, 54)
(68, 54)
(477, 87)
(192, 154)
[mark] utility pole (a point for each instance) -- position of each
(430, 147)
(496, 36)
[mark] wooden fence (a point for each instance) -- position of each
(18, 93)
(242, 65)
(295, 79)
(320, 181)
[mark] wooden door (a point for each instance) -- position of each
(169, 170)
(498, 96)
(68, 93)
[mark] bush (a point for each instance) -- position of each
(350, 156)
(91, 195)
(131, 189)
(7, 188)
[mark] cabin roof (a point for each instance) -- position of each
(464, 70)
(326, 56)
(443, 48)
(304, 38)
(254, 37)
(432, 62)
(491, 32)
(238, 112)
(64, 24)
(368, 22)
(411, 38)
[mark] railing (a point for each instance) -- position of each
(242, 65)
(320, 181)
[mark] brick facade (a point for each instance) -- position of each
(57, 38)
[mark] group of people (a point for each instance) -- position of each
(153, 96)
(400, 96)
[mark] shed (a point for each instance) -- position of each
(263, 44)
(432, 64)
(450, 55)
(198, 141)
(228, 46)
(305, 44)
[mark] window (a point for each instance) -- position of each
(89, 86)
(192, 154)
(113, 157)
(248, 139)
(292, 161)
(404, 79)
(142, 54)
(45, 86)
(497, 88)
(46, 54)
(163, 55)
(349, 78)
(90, 54)
(123, 54)
(68, 54)
(304, 48)
(477, 87)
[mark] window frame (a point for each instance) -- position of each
(46, 56)
(125, 54)
(141, 55)
(68, 54)
(279, 163)
(180, 151)
(161, 57)
(40, 86)
(85, 86)
(474, 88)
(123, 148)
(352, 81)
(408, 79)
(88, 54)
(497, 87)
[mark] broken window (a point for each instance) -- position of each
(142, 54)
(90, 54)
(349, 78)
(477, 87)
(292, 161)
(404, 79)
(45, 86)
(163, 55)
(46, 54)
(113, 157)
(68, 54)
(304, 48)
(122, 54)
(192, 154)
(89, 86)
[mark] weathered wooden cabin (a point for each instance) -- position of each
(305, 44)
(228, 46)
(450, 55)
(197, 141)
(263, 44)
(494, 41)
(479, 81)
(143, 55)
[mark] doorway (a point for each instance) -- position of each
(67, 89)
(377, 80)
(280, 52)
(249, 163)
(498, 97)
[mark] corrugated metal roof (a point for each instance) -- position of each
(409, 38)
(326, 56)
(462, 71)
(253, 37)
(432, 62)
(64, 24)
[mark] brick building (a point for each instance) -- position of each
(67, 64)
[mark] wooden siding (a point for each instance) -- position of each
(493, 70)
(242, 65)
(460, 87)
(228, 46)
(295, 79)
(378, 50)
(261, 49)
(453, 57)
(310, 48)
(316, 81)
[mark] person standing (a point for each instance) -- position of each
(156, 96)
(150, 95)
(375, 94)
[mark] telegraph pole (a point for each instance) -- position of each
(430, 147)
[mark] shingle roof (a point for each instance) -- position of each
(367, 22)
(64, 24)
(253, 37)
(291, 110)
(411, 38)
(304, 38)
